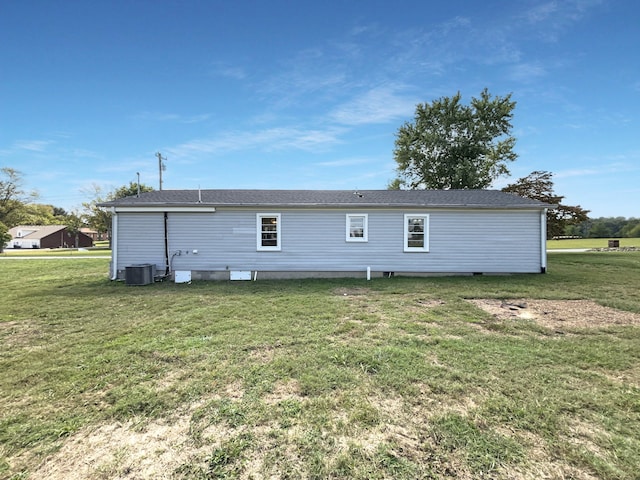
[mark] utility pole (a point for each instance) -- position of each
(161, 166)
(138, 173)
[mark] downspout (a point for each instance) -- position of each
(543, 241)
(166, 245)
(114, 244)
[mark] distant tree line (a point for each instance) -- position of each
(606, 227)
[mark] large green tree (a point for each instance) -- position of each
(450, 145)
(633, 232)
(74, 223)
(38, 214)
(100, 219)
(130, 190)
(538, 185)
(14, 199)
(5, 236)
(631, 228)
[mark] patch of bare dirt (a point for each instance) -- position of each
(557, 314)
(282, 391)
(20, 334)
(234, 390)
(264, 354)
(122, 450)
(585, 436)
(542, 464)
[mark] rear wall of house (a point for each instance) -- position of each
(460, 241)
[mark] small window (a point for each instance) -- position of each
(357, 227)
(416, 233)
(268, 231)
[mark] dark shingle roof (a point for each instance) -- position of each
(38, 232)
(328, 198)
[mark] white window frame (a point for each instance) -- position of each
(425, 217)
(365, 227)
(270, 248)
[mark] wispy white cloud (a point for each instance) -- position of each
(271, 139)
(344, 74)
(32, 145)
(27, 147)
(309, 140)
(575, 126)
(451, 46)
(378, 105)
(604, 169)
(577, 172)
(617, 118)
(171, 117)
(461, 42)
(527, 72)
(314, 81)
(552, 18)
(230, 71)
(541, 12)
(360, 29)
(344, 162)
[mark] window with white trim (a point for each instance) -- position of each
(357, 227)
(268, 230)
(416, 232)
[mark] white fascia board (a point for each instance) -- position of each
(138, 209)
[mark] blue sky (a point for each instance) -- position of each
(309, 95)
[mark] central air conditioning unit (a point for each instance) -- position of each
(140, 274)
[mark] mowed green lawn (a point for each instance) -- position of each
(392, 378)
(590, 243)
(56, 252)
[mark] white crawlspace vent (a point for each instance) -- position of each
(182, 276)
(240, 275)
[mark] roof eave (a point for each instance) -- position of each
(205, 206)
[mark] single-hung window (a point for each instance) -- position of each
(357, 227)
(416, 232)
(268, 231)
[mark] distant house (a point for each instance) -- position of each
(46, 236)
(215, 234)
(93, 234)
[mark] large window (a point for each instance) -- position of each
(416, 233)
(268, 231)
(357, 227)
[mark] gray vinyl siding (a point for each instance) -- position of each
(460, 241)
(140, 239)
(486, 241)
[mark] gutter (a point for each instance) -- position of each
(167, 263)
(543, 241)
(212, 208)
(114, 244)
